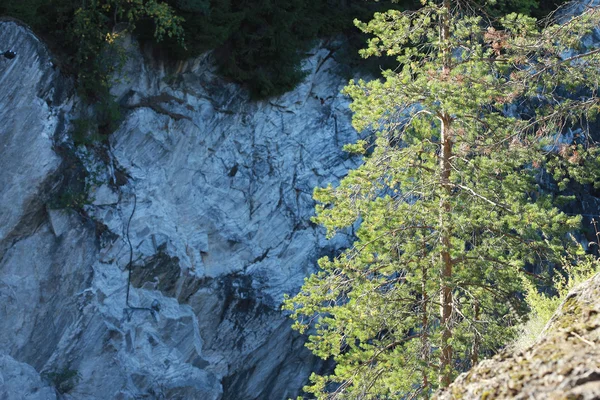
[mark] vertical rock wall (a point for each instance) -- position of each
(213, 192)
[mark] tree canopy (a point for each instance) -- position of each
(449, 208)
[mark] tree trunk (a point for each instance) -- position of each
(445, 169)
(446, 261)
(476, 339)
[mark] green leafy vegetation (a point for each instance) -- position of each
(80, 177)
(450, 212)
(85, 36)
(259, 43)
(82, 32)
(543, 305)
(64, 380)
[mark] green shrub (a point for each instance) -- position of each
(544, 305)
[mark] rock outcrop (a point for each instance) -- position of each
(207, 192)
(32, 109)
(563, 364)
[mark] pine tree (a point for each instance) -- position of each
(449, 209)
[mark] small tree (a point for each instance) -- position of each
(448, 205)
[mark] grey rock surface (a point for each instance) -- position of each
(32, 107)
(20, 381)
(207, 192)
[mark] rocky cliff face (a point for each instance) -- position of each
(562, 364)
(207, 192)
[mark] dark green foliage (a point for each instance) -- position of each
(75, 182)
(82, 32)
(266, 49)
(48, 18)
(498, 8)
(101, 122)
(259, 43)
(85, 132)
(535, 8)
(207, 24)
(64, 380)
